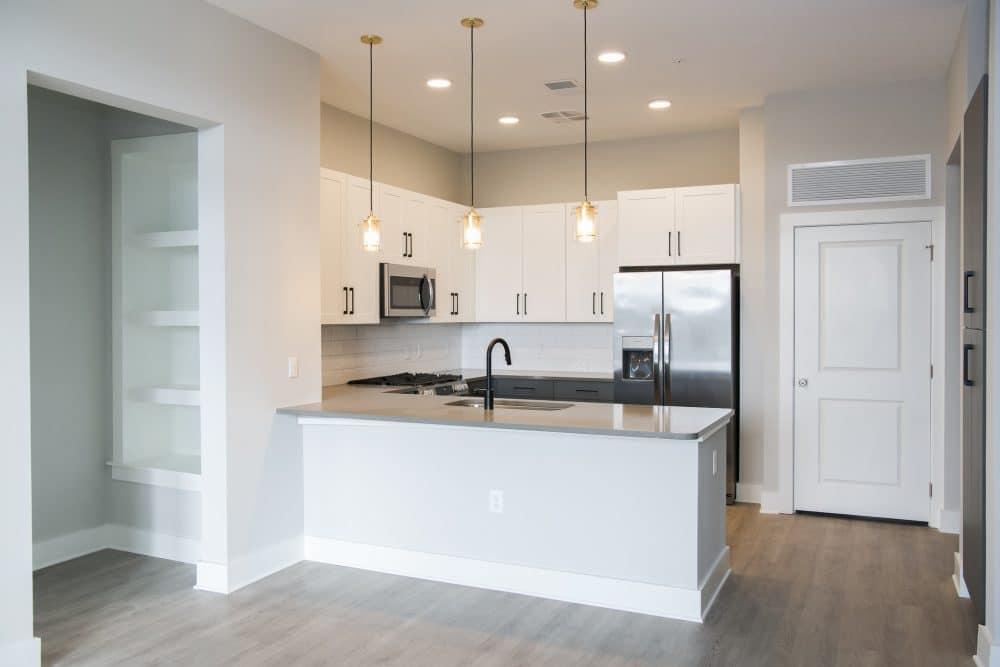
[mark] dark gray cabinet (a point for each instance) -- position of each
(591, 391)
(512, 387)
(547, 389)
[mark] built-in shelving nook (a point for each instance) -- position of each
(154, 189)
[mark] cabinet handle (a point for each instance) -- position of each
(602, 303)
(352, 301)
(456, 303)
(404, 244)
(965, 365)
(516, 388)
(345, 301)
(525, 303)
(411, 245)
(670, 244)
(679, 253)
(965, 291)
(517, 304)
(593, 303)
(586, 391)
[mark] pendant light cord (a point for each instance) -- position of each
(586, 114)
(472, 116)
(371, 127)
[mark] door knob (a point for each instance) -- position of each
(803, 382)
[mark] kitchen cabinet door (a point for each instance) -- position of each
(583, 266)
(646, 227)
(438, 257)
(607, 239)
(706, 225)
(498, 266)
(463, 269)
(415, 223)
(360, 272)
(543, 268)
(390, 204)
(333, 204)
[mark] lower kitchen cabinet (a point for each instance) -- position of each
(543, 389)
(589, 391)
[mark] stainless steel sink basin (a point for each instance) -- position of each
(511, 404)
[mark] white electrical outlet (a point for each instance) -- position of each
(496, 501)
(715, 462)
(293, 367)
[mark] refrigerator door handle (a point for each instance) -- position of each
(965, 291)
(966, 380)
(657, 374)
(666, 358)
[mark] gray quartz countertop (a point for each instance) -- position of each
(649, 421)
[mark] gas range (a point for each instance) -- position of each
(428, 384)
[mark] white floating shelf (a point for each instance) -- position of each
(168, 318)
(173, 470)
(169, 394)
(187, 238)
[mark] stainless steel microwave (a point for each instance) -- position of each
(407, 291)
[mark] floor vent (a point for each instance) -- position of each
(860, 181)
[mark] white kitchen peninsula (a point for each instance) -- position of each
(617, 506)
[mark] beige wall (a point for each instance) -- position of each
(968, 65)
(555, 173)
(400, 159)
(896, 119)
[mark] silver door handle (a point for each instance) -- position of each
(803, 382)
(657, 396)
(666, 357)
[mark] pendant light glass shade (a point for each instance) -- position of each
(472, 230)
(586, 222)
(371, 233)
(586, 213)
(371, 228)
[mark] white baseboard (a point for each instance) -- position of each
(25, 653)
(747, 493)
(985, 655)
(245, 570)
(769, 502)
(949, 521)
(643, 598)
(113, 536)
(958, 578)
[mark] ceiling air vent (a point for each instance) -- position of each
(564, 86)
(562, 116)
(860, 181)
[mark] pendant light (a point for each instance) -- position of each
(371, 228)
(472, 230)
(586, 212)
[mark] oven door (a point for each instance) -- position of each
(408, 291)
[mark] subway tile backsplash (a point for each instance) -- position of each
(353, 352)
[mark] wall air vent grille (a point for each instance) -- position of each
(566, 116)
(860, 181)
(565, 86)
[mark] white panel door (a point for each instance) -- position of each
(862, 367)
(607, 239)
(333, 204)
(360, 273)
(583, 266)
(705, 230)
(543, 269)
(646, 227)
(498, 266)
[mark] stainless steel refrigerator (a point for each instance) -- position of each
(677, 343)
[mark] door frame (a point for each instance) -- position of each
(781, 500)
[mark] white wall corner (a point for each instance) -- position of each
(157, 545)
(748, 493)
(949, 521)
(958, 578)
(24, 653)
(987, 653)
(212, 577)
(771, 502)
(245, 570)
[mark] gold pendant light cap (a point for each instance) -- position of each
(476, 22)
(585, 4)
(371, 39)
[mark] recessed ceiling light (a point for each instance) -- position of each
(438, 83)
(509, 120)
(659, 104)
(611, 57)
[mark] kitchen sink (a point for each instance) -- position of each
(512, 404)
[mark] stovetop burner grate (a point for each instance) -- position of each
(408, 379)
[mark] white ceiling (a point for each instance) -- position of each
(735, 52)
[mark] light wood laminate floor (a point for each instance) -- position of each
(805, 590)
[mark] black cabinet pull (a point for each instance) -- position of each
(352, 301)
(965, 291)
(411, 245)
(345, 301)
(525, 303)
(593, 303)
(456, 303)
(602, 303)
(965, 365)
(517, 305)
(670, 244)
(587, 391)
(516, 388)
(679, 253)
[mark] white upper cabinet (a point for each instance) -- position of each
(646, 227)
(543, 263)
(668, 226)
(333, 210)
(360, 272)
(706, 230)
(590, 267)
(390, 205)
(498, 266)
(462, 267)
(455, 266)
